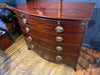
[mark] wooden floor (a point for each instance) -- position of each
(18, 60)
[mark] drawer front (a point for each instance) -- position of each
(54, 47)
(52, 56)
(52, 37)
(70, 27)
(55, 57)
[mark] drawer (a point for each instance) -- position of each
(52, 37)
(54, 47)
(69, 26)
(52, 56)
(55, 57)
(49, 20)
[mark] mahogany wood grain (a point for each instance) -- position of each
(49, 20)
(5, 41)
(51, 56)
(69, 26)
(68, 39)
(49, 9)
(67, 49)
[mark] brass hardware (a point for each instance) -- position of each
(22, 15)
(27, 29)
(32, 46)
(58, 48)
(29, 38)
(58, 58)
(59, 39)
(58, 22)
(59, 29)
(24, 21)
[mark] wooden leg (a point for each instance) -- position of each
(75, 68)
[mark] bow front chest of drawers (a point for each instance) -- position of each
(55, 29)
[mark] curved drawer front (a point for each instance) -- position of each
(70, 27)
(71, 60)
(52, 56)
(67, 49)
(67, 39)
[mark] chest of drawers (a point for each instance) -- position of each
(55, 30)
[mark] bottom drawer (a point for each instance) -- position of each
(55, 57)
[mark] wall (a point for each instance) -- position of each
(14, 2)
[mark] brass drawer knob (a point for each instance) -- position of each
(32, 46)
(59, 39)
(58, 48)
(59, 29)
(29, 38)
(58, 58)
(24, 21)
(22, 15)
(27, 29)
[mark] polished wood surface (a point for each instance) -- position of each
(50, 25)
(41, 23)
(5, 41)
(51, 56)
(67, 49)
(47, 36)
(18, 60)
(48, 20)
(50, 9)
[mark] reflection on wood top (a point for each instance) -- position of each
(58, 10)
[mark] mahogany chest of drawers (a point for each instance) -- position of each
(55, 29)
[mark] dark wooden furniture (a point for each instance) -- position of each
(55, 29)
(10, 21)
(5, 41)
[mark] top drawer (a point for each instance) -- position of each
(69, 26)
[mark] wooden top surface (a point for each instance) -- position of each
(58, 9)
